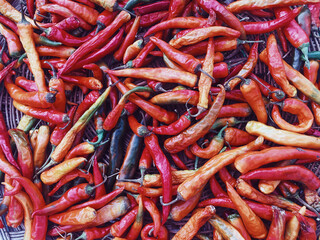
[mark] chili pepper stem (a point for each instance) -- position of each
(178, 198)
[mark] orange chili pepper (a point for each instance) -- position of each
(235, 220)
(14, 45)
(252, 222)
(190, 229)
(39, 151)
(74, 217)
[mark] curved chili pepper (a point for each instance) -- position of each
(94, 233)
(96, 41)
(15, 214)
(68, 23)
(193, 133)
(119, 228)
(252, 94)
(294, 33)
(97, 179)
(25, 156)
(304, 114)
(271, 25)
(136, 227)
(190, 229)
(39, 223)
(282, 137)
(225, 176)
(253, 223)
(249, 192)
(163, 234)
(254, 160)
(5, 143)
(214, 147)
(154, 111)
(132, 51)
(178, 162)
(216, 188)
(9, 23)
(47, 115)
(296, 173)
(247, 67)
(191, 185)
(39, 151)
(14, 45)
(200, 34)
(237, 137)
(307, 232)
(28, 85)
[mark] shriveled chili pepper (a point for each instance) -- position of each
(35, 99)
(151, 19)
(305, 116)
(200, 34)
(237, 137)
(235, 220)
(282, 137)
(14, 216)
(39, 223)
(5, 143)
(253, 223)
(74, 217)
(96, 41)
(254, 160)
(306, 230)
(68, 24)
(119, 228)
(109, 212)
(47, 115)
(296, 173)
(221, 122)
(224, 229)
(214, 147)
(154, 111)
(25, 156)
(69, 177)
(190, 229)
(151, 7)
(163, 234)
(55, 173)
(136, 227)
(191, 185)
(249, 192)
(271, 25)
(193, 133)
(247, 67)
(277, 227)
(13, 43)
(94, 233)
(294, 33)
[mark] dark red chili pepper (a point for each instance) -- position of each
(97, 54)
(69, 177)
(223, 13)
(96, 41)
(216, 188)
(306, 230)
(97, 179)
(25, 156)
(268, 26)
(295, 173)
(12, 25)
(152, 7)
(294, 33)
(178, 162)
(277, 227)
(282, 40)
(5, 142)
(193, 133)
(15, 214)
(39, 223)
(74, 195)
(68, 24)
(234, 94)
(151, 19)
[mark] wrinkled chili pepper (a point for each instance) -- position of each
(13, 43)
(224, 229)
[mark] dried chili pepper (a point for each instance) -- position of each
(191, 185)
(237, 137)
(193, 133)
(89, 82)
(132, 51)
(119, 227)
(235, 220)
(307, 232)
(190, 229)
(293, 226)
(94, 233)
(74, 217)
(282, 137)
(13, 43)
(254, 160)
(136, 227)
(225, 229)
(39, 152)
(216, 188)
(163, 234)
(296, 173)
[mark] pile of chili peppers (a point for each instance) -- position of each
(158, 136)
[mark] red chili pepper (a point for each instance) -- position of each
(261, 13)
(295, 173)
(15, 214)
(226, 176)
(119, 228)
(39, 223)
(178, 162)
(268, 26)
(96, 41)
(48, 115)
(277, 227)
(89, 82)
(25, 156)
(99, 202)
(247, 68)
(5, 143)
(198, 130)
(216, 188)
(163, 234)
(236, 221)
(307, 232)
(174, 128)
(160, 114)
(97, 179)
(296, 107)
(104, 19)
(223, 13)
(68, 24)
(97, 54)
(152, 7)
(282, 40)
(74, 195)
(28, 85)
(94, 233)
(12, 25)
(69, 177)
(294, 33)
